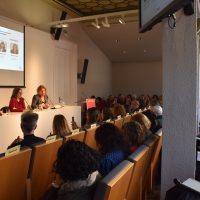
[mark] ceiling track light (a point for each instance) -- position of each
(62, 25)
(122, 20)
(106, 23)
(96, 24)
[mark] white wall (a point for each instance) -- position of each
(137, 78)
(99, 76)
(180, 95)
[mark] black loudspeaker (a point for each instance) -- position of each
(189, 9)
(56, 32)
(84, 72)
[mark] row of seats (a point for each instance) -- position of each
(29, 173)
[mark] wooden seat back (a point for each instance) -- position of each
(13, 173)
(90, 138)
(41, 170)
(115, 185)
(140, 159)
(77, 136)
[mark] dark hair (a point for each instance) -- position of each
(15, 92)
(107, 114)
(93, 116)
(60, 126)
(109, 138)
(75, 161)
(29, 121)
(155, 96)
(119, 110)
(133, 134)
(152, 117)
(144, 101)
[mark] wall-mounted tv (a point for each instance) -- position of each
(153, 11)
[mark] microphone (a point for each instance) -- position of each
(29, 107)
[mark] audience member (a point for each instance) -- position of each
(155, 123)
(112, 147)
(28, 126)
(60, 126)
(134, 106)
(17, 101)
(133, 135)
(107, 114)
(92, 116)
(144, 122)
(76, 167)
(117, 110)
(155, 107)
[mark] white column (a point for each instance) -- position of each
(180, 94)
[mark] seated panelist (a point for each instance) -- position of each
(40, 100)
(17, 101)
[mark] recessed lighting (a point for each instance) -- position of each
(124, 52)
(145, 51)
(139, 38)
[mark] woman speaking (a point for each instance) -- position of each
(17, 102)
(40, 100)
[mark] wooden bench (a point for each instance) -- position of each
(77, 136)
(90, 138)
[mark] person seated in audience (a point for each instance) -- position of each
(133, 135)
(17, 101)
(107, 114)
(28, 126)
(77, 173)
(144, 122)
(134, 106)
(117, 110)
(155, 123)
(111, 145)
(93, 116)
(127, 104)
(60, 127)
(156, 108)
(121, 99)
(40, 100)
(144, 101)
(100, 104)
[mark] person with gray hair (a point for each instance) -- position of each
(28, 125)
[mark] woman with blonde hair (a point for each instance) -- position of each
(144, 122)
(60, 126)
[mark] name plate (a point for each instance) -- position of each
(51, 139)
(108, 120)
(12, 151)
(75, 131)
(93, 126)
(119, 117)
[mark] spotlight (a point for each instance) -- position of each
(58, 26)
(106, 23)
(65, 25)
(96, 24)
(122, 20)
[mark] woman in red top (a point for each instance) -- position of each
(17, 102)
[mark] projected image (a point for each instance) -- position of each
(14, 48)
(3, 46)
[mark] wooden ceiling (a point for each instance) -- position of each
(95, 7)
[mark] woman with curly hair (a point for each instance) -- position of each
(133, 135)
(111, 146)
(76, 168)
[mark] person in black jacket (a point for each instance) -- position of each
(76, 168)
(28, 126)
